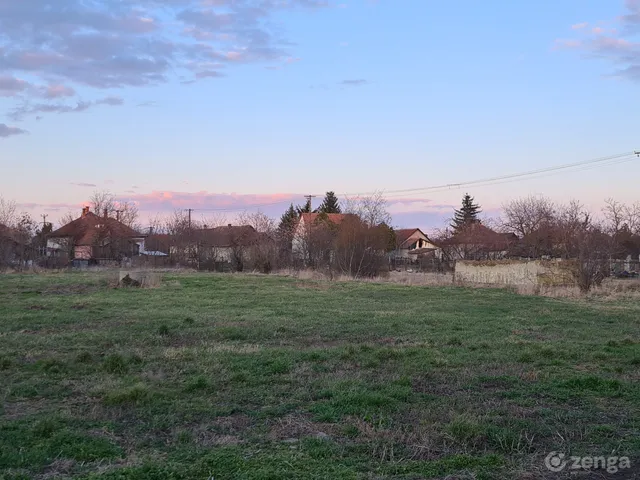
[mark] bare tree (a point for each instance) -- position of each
(620, 216)
(371, 209)
(258, 220)
(106, 202)
(157, 224)
(213, 220)
(526, 215)
(67, 218)
(571, 221)
(360, 250)
(179, 229)
(592, 247)
(614, 214)
(532, 220)
(8, 212)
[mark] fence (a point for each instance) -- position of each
(425, 265)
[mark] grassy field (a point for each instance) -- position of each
(254, 377)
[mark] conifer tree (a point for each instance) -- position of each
(465, 216)
(330, 204)
(305, 209)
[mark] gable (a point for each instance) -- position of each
(406, 237)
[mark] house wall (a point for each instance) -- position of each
(514, 272)
(82, 252)
(299, 239)
(57, 246)
(422, 240)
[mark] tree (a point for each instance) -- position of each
(371, 209)
(304, 209)
(288, 221)
(105, 201)
(7, 212)
(177, 227)
(359, 250)
(258, 220)
(524, 216)
(466, 216)
(592, 248)
(40, 239)
(24, 228)
(66, 218)
(287, 225)
(330, 204)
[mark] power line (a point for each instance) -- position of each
(510, 180)
(511, 176)
(499, 179)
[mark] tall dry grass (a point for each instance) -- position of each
(611, 288)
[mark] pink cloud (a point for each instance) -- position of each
(58, 91)
(164, 201)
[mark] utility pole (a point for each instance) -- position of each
(309, 197)
(189, 210)
(44, 220)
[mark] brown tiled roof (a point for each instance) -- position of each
(228, 236)
(479, 234)
(337, 218)
(403, 234)
(88, 229)
(159, 242)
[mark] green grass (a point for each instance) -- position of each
(254, 377)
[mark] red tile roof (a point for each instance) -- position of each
(403, 234)
(478, 234)
(159, 242)
(89, 228)
(337, 218)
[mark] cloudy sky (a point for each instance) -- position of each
(221, 105)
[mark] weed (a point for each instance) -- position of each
(135, 394)
(116, 364)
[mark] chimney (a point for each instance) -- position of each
(229, 225)
(85, 210)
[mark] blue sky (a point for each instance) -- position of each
(216, 104)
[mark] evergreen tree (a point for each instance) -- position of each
(305, 209)
(287, 225)
(330, 204)
(288, 220)
(467, 215)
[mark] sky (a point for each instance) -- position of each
(231, 105)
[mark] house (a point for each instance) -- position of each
(205, 247)
(157, 245)
(226, 244)
(302, 234)
(412, 242)
(94, 239)
(477, 242)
